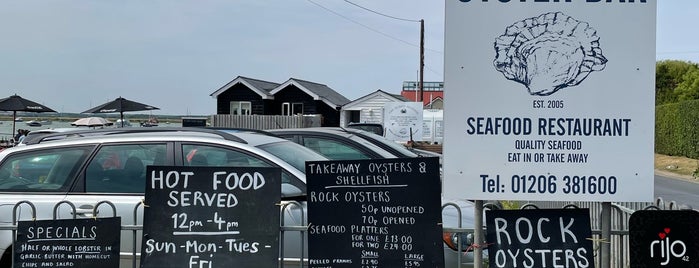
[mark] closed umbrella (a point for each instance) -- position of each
(16, 103)
(120, 105)
(91, 122)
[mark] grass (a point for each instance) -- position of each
(682, 166)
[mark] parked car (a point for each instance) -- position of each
(85, 167)
(394, 147)
(338, 143)
(90, 169)
(375, 128)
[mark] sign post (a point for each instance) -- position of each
(68, 243)
(403, 121)
(211, 217)
(540, 238)
(374, 213)
(533, 102)
(549, 101)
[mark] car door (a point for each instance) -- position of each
(117, 173)
(32, 182)
(197, 154)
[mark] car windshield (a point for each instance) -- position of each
(292, 153)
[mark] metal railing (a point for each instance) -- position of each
(619, 241)
(265, 121)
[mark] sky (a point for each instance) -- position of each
(173, 54)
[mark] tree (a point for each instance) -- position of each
(688, 89)
(676, 80)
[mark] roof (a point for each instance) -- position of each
(377, 93)
(318, 91)
(260, 87)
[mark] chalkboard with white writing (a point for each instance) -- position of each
(539, 238)
(68, 243)
(211, 217)
(374, 213)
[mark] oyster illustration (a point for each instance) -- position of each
(548, 52)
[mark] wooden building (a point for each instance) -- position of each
(248, 96)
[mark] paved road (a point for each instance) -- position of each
(681, 191)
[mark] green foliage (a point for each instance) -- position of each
(675, 81)
(688, 88)
(507, 204)
(677, 129)
(677, 108)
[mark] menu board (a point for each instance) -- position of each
(374, 213)
(68, 243)
(539, 238)
(211, 217)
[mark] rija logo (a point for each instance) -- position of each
(668, 248)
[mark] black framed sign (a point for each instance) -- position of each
(664, 238)
(211, 217)
(68, 243)
(539, 238)
(375, 213)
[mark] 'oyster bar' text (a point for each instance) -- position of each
(548, 126)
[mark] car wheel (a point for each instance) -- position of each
(6, 260)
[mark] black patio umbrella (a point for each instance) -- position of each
(16, 103)
(120, 105)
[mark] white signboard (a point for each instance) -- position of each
(403, 121)
(549, 100)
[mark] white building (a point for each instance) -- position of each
(368, 109)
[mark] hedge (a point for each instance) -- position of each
(677, 129)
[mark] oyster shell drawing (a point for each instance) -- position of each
(548, 52)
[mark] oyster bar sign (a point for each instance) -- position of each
(549, 100)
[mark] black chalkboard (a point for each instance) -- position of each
(374, 213)
(539, 238)
(68, 243)
(664, 238)
(211, 217)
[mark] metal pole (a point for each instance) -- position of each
(606, 226)
(422, 57)
(478, 234)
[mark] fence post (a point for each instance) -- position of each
(478, 234)
(606, 226)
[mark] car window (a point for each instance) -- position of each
(373, 128)
(212, 156)
(122, 168)
(334, 149)
(42, 170)
(387, 144)
(292, 153)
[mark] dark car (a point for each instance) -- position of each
(391, 146)
(335, 143)
(348, 143)
(370, 127)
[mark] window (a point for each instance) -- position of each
(333, 149)
(211, 156)
(289, 108)
(241, 107)
(122, 168)
(42, 170)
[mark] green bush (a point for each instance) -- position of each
(677, 129)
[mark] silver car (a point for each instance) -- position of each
(91, 167)
(87, 170)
